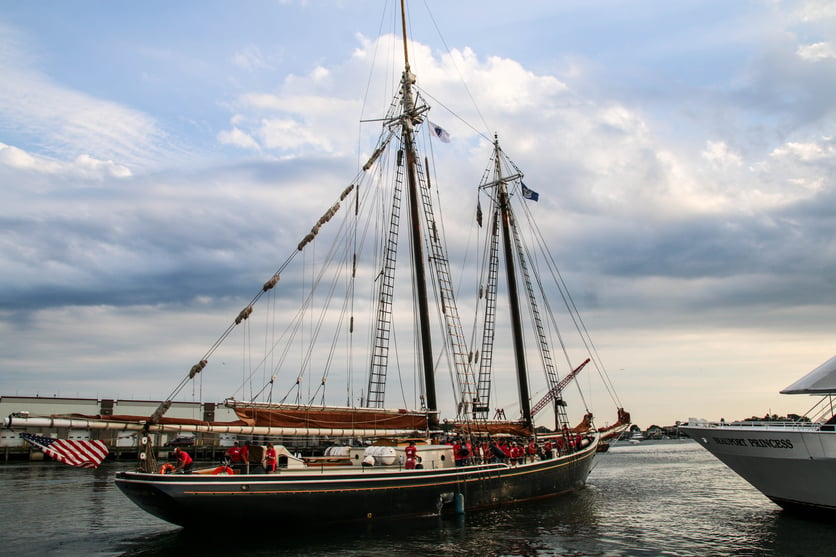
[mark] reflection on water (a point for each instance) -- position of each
(670, 498)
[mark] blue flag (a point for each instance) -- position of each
(529, 194)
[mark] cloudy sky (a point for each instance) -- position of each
(158, 160)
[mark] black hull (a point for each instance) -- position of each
(361, 494)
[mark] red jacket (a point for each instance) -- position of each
(183, 458)
(234, 454)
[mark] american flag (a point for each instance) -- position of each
(86, 454)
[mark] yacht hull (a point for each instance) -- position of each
(793, 465)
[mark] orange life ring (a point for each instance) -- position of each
(167, 468)
(223, 470)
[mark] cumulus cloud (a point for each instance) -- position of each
(313, 111)
(83, 166)
(805, 152)
(717, 152)
(816, 51)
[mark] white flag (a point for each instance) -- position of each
(439, 132)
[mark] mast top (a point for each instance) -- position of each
(403, 27)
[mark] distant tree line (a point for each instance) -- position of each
(777, 418)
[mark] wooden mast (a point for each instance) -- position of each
(408, 121)
(513, 296)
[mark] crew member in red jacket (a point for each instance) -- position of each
(411, 452)
(234, 454)
(270, 458)
(184, 461)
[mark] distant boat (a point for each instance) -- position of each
(792, 463)
(338, 487)
(636, 437)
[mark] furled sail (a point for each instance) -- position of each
(328, 417)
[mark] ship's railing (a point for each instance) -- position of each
(802, 426)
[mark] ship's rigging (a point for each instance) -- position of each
(395, 191)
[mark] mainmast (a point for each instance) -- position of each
(513, 296)
(408, 120)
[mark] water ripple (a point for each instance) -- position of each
(652, 499)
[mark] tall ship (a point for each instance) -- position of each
(791, 462)
(452, 443)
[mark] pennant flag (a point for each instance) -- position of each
(85, 454)
(479, 213)
(439, 132)
(529, 194)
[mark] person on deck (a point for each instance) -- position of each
(547, 449)
(457, 447)
(233, 454)
(270, 458)
(411, 452)
(516, 454)
(184, 461)
(507, 450)
(460, 452)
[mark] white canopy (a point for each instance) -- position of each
(820, 381)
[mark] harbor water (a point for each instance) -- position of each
(651, 498)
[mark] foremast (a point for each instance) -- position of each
(430, 268)
(428, 255)
(409, 119)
